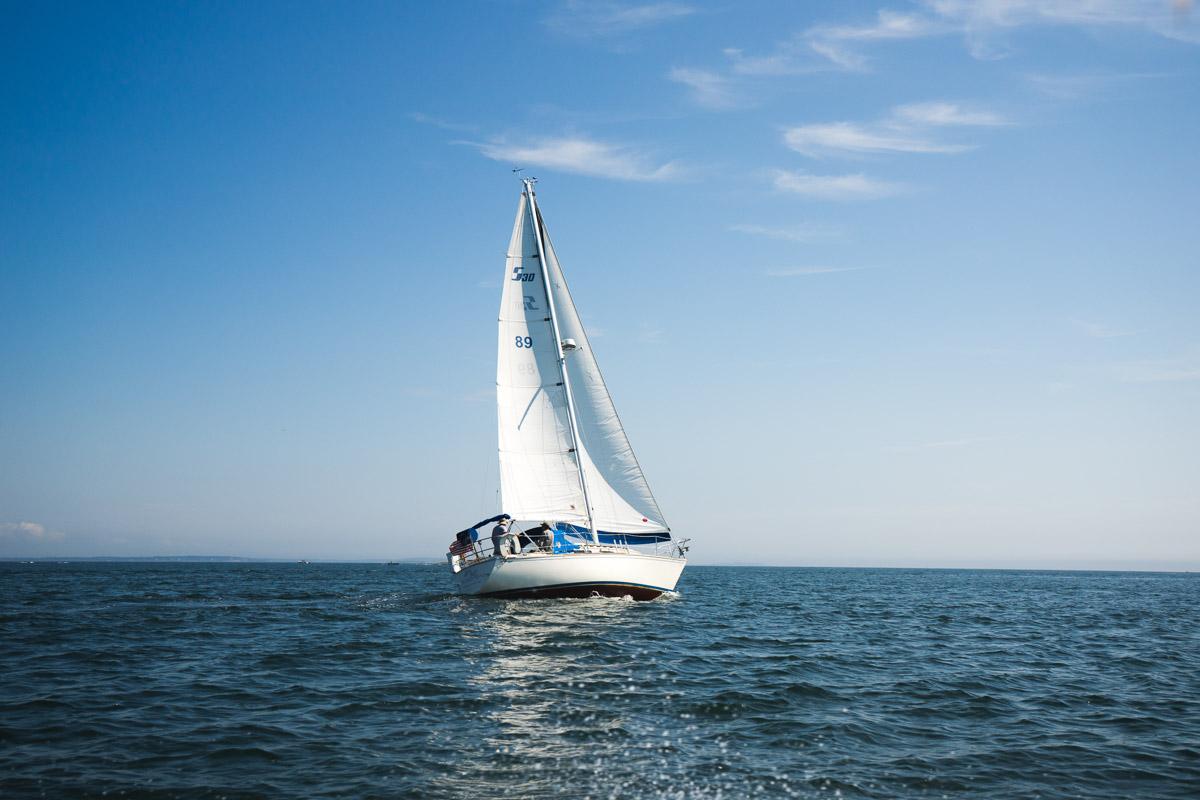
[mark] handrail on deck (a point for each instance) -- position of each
(482, 549)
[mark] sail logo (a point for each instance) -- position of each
(519, 274)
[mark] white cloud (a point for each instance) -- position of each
(907, 129)
(980, 22)
(887, 25)
(799, 55)
(838, 55)
(27, 533)
(804, 232)
(791, 272)
(1158, 15)
(814, 140)
(581, 156)
(834, 187)
(1073, 87)
(941, 113)
(825, 47)
(600, 18)
(784, 61)
(709, 89)
(835, 42)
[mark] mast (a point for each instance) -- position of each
(562, 358)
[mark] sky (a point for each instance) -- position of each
(898, 284)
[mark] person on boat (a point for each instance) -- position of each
(541, 536)
(500, 537)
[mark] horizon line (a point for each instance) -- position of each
(429, 560)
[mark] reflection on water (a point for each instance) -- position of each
(532, 656)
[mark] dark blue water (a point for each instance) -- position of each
(297, 681)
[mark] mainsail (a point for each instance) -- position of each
(539, 477)
(540, 464)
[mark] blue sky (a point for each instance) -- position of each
(900, 284)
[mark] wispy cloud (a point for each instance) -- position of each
(830, 47)
(907, 129)
(1099, 331)
(792, 272)
(583, 157)
(838, 55)
(944, 114)
(601, 18)
(887, 25)
(834, 187)
(27, 533)
(836, 43)
(437, 122)
(708, 89)
(983, 23)
(803, 232)
(781, 62)
(847, 137)
(1175, 19)
(1074, 87)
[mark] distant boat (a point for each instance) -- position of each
(564, 457)
(303, 561)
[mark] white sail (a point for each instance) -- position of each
(621, 499)
(539, 476)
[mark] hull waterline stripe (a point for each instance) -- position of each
(580, 584)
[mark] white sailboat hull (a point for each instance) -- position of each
(580, 574)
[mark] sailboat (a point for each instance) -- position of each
(583, 521)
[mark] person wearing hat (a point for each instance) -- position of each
(500, 537)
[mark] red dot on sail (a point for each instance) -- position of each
(645, 520)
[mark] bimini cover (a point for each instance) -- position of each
(474, 528)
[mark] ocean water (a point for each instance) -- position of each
(374, 681)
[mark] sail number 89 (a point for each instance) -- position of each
(524, 341)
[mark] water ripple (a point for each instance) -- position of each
(167, 680)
